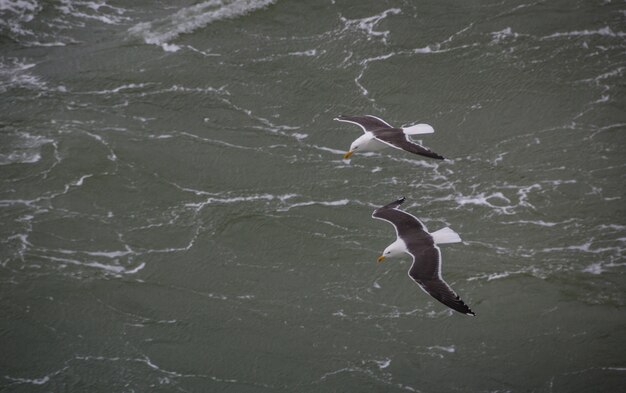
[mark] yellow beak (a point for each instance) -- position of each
(381, 258)
(347, 155)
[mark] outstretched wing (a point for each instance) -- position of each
(367, 122)
(401, 141)
(426, 272)
(426, 267)
(407, 226)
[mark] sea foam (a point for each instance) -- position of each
(186, 20)
(21, 148)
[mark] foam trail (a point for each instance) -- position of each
(92, 9)
(114, 269)
(341, 202)
(22, 148)
(189, 19)
(15, 13)
(13, 74)
(367, 24)
(605, 31)
(251, 198)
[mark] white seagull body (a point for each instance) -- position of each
(415, 240)
(378, 135)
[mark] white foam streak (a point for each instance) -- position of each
(189, 19)
(367, 24)
(586, 247)
(307, 53)
(599, 267)
(328, 149)
(594, 268)
(116, 269)
(341, 202)
(449, 349)
(111, 156)
(13, 74)
(24, 148)
(11, 202)
(535, 222)
(383, 363)
(365, 64)
(120, 88)
(267, 124)
(138, 268)
(170, 47)
(70, 7)
(499, 36)
(37, 381)
(497, 276)
(148, 362)
(482, 199)
(18, 6)
(252, 198)
(421, 163)
(17, 12)
(605, 31)
(106, 254)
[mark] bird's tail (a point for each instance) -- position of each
(446, 235)
(418, 129)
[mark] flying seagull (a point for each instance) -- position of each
(415, 240)
(379, 135)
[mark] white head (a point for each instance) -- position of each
(356, 145)
(393, 250)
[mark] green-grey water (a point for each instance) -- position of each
(176, 215)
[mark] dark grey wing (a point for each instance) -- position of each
(426, 272)
(367, 122)
(400, 140)
(407, 226)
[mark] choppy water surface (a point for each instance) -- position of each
(176, 215)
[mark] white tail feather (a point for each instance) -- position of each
(418, 129)
(445, 235)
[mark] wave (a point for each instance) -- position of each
(92, 11)
(39, 23)
(21, 148)
(14, 13)
(187, 20)
(14, 74)
(369, 23)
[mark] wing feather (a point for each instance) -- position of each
(367, 123)
(426, 272)
(401, 141)
(407, 226)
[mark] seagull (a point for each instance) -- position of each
(379, 135)
(415, 240)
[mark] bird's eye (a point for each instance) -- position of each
(355, 147)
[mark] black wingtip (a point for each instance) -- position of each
(434, 155)
(393, 204)
(397, 202)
